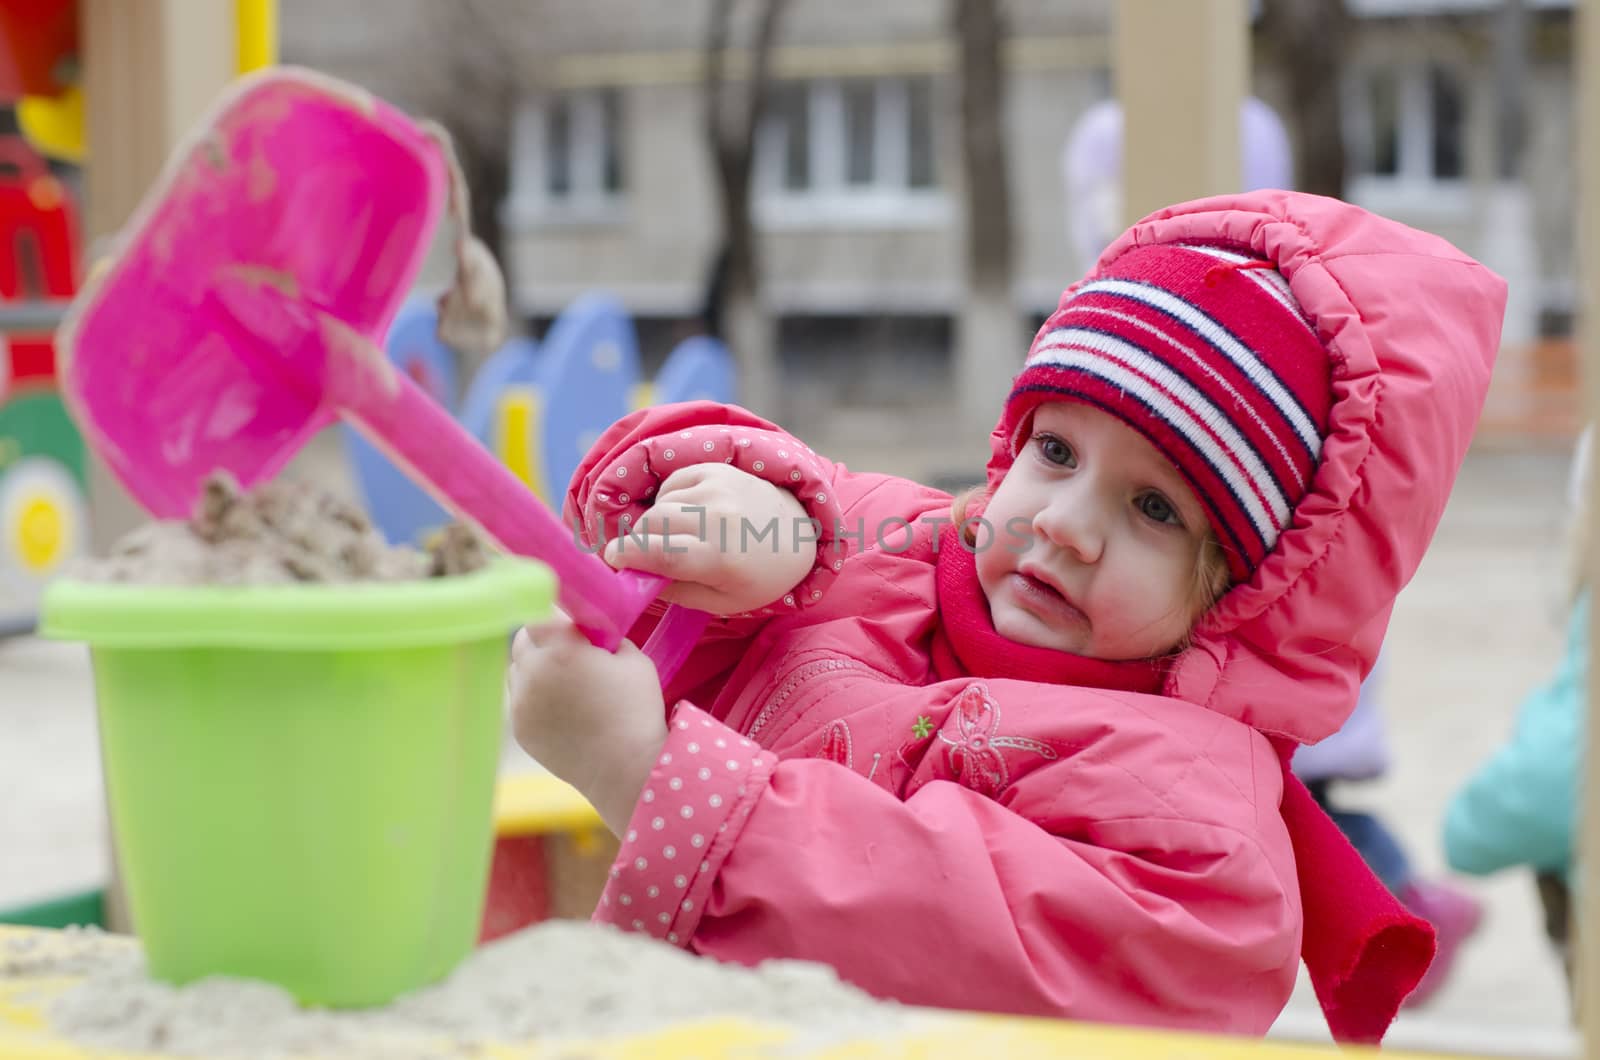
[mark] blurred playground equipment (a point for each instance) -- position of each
(40, 71)
(551, 855)
(538, 407)
(1091, 169)
(43, 474)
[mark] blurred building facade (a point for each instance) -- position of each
(857, 162)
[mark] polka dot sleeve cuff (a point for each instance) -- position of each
(627, 486)
(688, 817)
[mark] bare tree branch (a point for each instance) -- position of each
(988, 198)
(1306, 40)
(732, 121)
(761, 70)
(471, 89)
(712, 85)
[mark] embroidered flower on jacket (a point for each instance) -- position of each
(908, 757)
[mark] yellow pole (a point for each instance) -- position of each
(257, 30)
(1587, 64)
(1180, 71)
(150, 68)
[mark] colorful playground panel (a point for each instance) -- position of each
(45, 75)
(591, 360)
(25, 1035)
(498, 403)
(43, 473)
(551, 855)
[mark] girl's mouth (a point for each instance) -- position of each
(1045, 600)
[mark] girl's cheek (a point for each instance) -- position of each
(1017, 537)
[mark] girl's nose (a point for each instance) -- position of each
(1073, 523)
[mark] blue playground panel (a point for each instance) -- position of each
(590, 364)
(516, 364)
(699, 368)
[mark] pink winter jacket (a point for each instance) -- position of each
(1121, 857)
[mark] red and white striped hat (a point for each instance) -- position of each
(1205, 352)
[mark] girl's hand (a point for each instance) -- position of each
(729, 541)
(594, 719)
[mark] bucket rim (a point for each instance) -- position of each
(327, 616)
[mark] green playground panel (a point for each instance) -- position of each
(83, 909)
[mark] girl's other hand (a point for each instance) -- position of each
(594, 719)
(729, 541)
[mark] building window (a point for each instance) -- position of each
(1383, 96)
(860, 107)
(857, 150)
(1448, 125)
(786, 137)
(567, 157)
(1408, 126)
(919, 134)
(558, 149)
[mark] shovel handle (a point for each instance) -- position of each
(438, 453)
(675, 636)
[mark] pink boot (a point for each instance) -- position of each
(1455, 915)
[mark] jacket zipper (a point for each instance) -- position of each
(793, 682)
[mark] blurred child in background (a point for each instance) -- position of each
(1519, 808)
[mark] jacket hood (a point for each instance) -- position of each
(1412, 326)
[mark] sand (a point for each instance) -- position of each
(281, 532)
(558, 982)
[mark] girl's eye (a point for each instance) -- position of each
(1156, 507)
(1055, 450)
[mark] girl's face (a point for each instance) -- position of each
(1093, 540)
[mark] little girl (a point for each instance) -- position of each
(1028, 756)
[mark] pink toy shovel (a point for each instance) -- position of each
(241, 316)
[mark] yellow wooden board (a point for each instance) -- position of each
(541, 804)
(25, 1033)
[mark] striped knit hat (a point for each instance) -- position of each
(1204, 351)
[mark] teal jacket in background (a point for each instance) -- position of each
(1520, 807)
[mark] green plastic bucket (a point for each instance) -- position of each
(301, 778)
